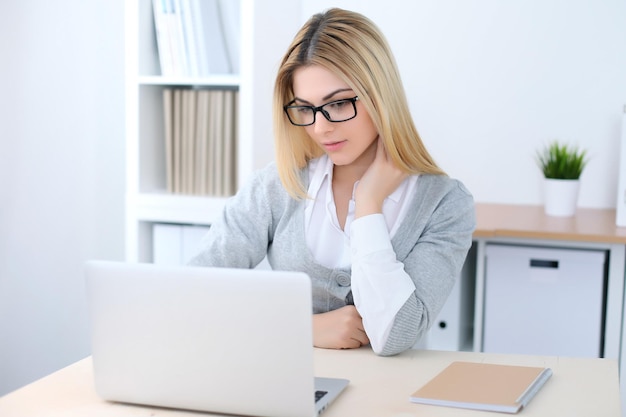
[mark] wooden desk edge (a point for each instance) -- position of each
(530, 222)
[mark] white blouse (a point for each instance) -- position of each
(380, 286)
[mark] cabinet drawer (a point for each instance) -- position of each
(544, 301)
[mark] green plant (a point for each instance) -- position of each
(560, 161)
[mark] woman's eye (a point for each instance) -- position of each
(337, 104)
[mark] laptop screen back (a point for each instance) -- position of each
(212, 339)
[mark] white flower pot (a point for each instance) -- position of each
(561, 197)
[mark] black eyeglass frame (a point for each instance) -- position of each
(321, 110)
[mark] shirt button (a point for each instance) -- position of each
(343, 279)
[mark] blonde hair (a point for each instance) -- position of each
(351, 46)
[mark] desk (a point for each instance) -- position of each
(588, 229)
(379, 387)
(528, 225)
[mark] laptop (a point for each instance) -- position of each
(218, 340)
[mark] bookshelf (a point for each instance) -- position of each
(264, 35)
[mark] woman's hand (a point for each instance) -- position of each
(339, 329)
(378, 182)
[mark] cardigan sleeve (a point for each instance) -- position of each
(432, 252)
(240, 237)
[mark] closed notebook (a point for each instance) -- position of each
(483, 386)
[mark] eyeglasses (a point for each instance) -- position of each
(335, 111)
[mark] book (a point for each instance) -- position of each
(176, 141)
(483, 386)
(200, 134)
(202, 65)
(230, 127)
(213, 55)
(177, 39)
(162, 18)
(189, 30)
(197, 38)
(230, 23)
(168, 134)
(188, 139)
(217, 140)
(202, 143)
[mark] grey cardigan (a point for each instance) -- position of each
(432, 243)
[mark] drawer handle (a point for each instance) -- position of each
(542, 263)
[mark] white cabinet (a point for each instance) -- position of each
(544, 301)
(266, 28)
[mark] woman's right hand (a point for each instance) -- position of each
(339, 329)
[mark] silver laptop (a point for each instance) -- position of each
(220, 340)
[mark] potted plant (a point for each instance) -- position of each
(562, 166)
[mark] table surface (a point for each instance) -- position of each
(379, 387)
(531, 222)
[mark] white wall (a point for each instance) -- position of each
(490, 81)
(61, 174)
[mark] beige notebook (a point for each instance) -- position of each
(483, 386)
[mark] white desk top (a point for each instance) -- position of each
(379, 387)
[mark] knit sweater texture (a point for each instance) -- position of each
(432, 243)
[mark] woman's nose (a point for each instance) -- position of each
(322, 124)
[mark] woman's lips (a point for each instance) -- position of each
(334, 146)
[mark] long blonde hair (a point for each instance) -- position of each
(351, 46)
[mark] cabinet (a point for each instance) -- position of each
(264, 37)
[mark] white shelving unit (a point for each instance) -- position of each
(266, 28)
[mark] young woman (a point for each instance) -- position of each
(353, 198)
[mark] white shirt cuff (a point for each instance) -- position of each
(380, 285)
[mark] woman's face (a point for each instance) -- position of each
(345, 142)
